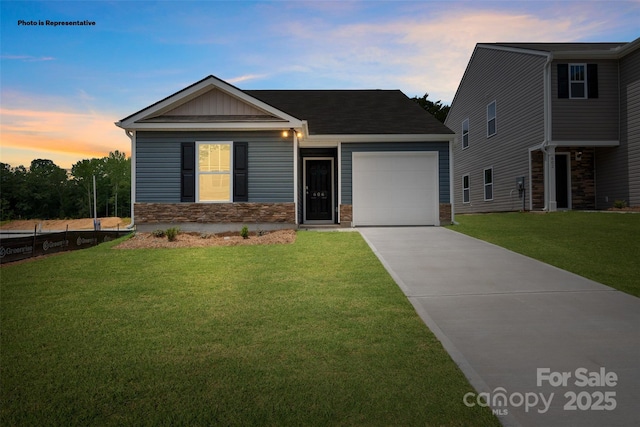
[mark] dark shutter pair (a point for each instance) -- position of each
(563, 80)
(240, 172)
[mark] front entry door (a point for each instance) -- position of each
(319, 190)
(562, 181)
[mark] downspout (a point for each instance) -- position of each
(451, 189)
(132, 137)
(548, 152)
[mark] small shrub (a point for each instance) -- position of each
(620, 204)
(172, 233)
(158, 233)
(244, 232)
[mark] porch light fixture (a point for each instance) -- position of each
(285, 133)
(579, 156)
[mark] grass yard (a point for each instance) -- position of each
(313, 333)
(604, 247)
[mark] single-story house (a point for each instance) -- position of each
(212, 154)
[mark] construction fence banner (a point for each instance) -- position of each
(18, 248)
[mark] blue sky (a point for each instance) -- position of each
(63, 87)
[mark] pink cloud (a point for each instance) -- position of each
(53, 134)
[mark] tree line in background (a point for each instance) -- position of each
(437, 109)
(47, 191)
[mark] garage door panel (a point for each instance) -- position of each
(395, 188)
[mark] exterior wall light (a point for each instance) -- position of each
(285, 133)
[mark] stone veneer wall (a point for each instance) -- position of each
(583, 183)
(445, 213)
(346, 214)
(215, 212)
(537, 180)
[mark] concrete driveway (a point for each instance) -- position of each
(545, 346)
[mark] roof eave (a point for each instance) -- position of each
(440, 137)
(204, 126)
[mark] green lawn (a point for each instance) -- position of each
(314, 333)
(604, 247)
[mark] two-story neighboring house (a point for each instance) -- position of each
(547, 126)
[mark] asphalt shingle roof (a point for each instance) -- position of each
(353, 112)
(563, 47)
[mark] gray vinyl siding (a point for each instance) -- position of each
(586, 119)
(158, 164)
(271, 170)
(516, 82)
(630, 118)
(611, 176)
(157, 169)
(618, 168)
(347, 162)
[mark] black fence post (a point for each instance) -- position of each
(35, 230)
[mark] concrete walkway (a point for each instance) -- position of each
(562, 350)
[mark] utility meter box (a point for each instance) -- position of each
(520, 186)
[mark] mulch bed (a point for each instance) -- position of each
(200, 240)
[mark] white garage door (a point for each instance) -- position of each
(399, 188)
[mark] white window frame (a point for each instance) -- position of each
(467, 189)
(494, 118)
(583, 82)
(465, 135)
(230, 173)
(486, 185)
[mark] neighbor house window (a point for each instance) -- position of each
(491, 119)
(466, 196)
(488, 184)
(465, 134)
(214, 172)
(577, 81)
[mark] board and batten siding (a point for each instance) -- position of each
(515, 81)
(215, 102)
(630, 120)
(592, 119)
(347, 163)
(158, 164)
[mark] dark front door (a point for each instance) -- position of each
(562, 181)
(319, 194)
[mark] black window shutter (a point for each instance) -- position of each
(592, 80)
(188, 172)
(563, 80)
(240, 171)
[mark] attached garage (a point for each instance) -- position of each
(395, 188)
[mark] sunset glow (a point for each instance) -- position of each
(63, 87)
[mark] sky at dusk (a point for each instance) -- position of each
(63, 87)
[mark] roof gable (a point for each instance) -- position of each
(209, 104)
(216, 103)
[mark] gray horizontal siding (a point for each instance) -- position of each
(157, 171)
(347, 162)
(270, 171)
(630, 93)
(158, 164)
(515, 81)
(586, 119)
